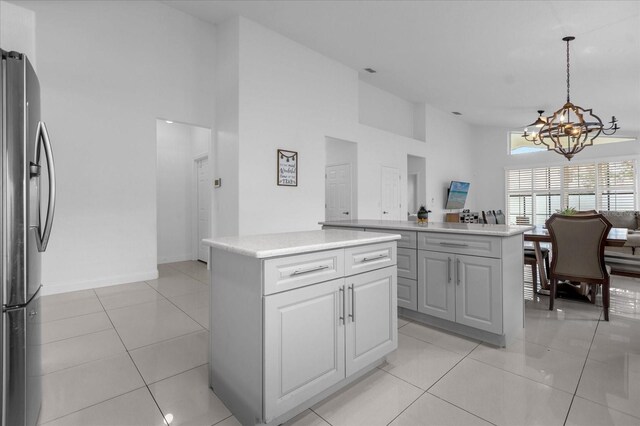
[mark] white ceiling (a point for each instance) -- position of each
(497, 62)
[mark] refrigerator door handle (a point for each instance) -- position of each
(43, 135)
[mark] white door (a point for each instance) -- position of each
(304, 335)
(478, 295)
(390, 194)
(338, 192)
(372, 311)
(436, 287)
(203, 206)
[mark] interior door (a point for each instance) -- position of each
(338, 192)
(390, 194)
(204, 205)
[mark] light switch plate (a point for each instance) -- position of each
(217, 183)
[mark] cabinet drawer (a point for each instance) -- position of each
(475, 245)
(367, 258)
(286, 273)
(408, 240)
(408, 294)
(407, 263)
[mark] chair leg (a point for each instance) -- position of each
(546, 265)
(605, 299)
(534, 278)
(552, 292)
(594, 291)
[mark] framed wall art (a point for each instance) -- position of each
(287, 168)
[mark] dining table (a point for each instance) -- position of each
(617, 237)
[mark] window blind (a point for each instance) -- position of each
(534, 194)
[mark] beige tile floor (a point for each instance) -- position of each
(136, 354)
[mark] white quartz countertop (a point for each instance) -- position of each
(272, 245)
(449, 227)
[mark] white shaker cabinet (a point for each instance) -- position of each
(290, 326)
(436, 291)
(464, 289)
(304, 338)
(371, 330)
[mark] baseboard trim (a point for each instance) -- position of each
(100, 282)
(177, 258)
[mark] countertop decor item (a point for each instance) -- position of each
(568, 131)
(423, 215)
(287, 168)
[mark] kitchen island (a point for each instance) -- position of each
(297, 316)
(463, 277)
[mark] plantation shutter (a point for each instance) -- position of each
(580, 186)
(617, 183)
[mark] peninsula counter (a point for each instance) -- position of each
(297, 316)
(463, 277)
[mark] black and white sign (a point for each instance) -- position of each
(287, 168)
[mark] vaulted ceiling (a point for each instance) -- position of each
(497, 62)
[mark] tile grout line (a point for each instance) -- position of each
(586, 358)
(134, 363)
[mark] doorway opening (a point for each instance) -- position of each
(416, 184)
(341, 187)
(183, 191)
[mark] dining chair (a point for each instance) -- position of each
(577, 243)
(500, 218)
(531, 260)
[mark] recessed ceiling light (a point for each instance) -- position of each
(456, 113)
(370, 70)
(168, 122)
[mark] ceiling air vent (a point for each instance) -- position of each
(370, 70)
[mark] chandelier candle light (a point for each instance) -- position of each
(567, 131)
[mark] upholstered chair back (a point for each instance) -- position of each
(578, 247)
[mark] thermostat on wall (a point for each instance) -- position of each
(217, 183)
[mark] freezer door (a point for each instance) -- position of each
(22, 391)
(21, 180)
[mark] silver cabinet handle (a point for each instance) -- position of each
(46, 232)
(347, 213)
(306, 271)
(341, 302)
(353, 303)
(442, 243)
(449, 270)
(369, 259)
(458, 271)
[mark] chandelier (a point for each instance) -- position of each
(570, 129)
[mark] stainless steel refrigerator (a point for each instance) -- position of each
(27, 204)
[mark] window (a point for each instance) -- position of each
(519, 145)
(534, 194)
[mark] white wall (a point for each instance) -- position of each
(275, 93)
(18, 30)
(345, 152)
(385, 111)
(175, 183)
(107, 70)
(450, 156)
(225, 218)
(491, 158)
(417, 166)
(290, 97)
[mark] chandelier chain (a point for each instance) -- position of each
(568, 74)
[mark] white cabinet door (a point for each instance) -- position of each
(436, 289)
(371, 331)
(304, 344)
(479, 293)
